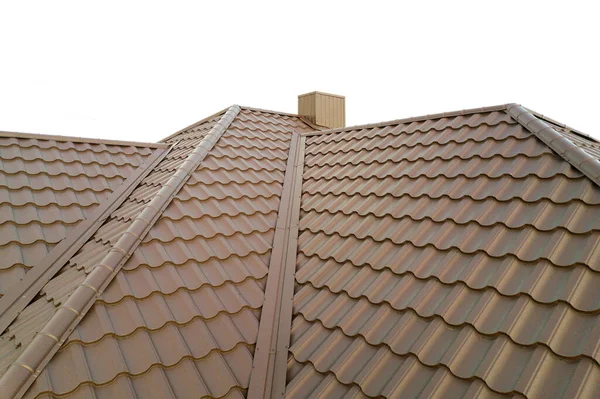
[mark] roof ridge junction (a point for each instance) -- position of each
(30, 363)
(564, 147)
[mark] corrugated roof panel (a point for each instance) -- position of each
(440, 253)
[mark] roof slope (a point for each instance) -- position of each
(185, 306)
(452, 255)
(448, 256)
(48, 185)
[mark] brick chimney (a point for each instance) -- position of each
(323, 109)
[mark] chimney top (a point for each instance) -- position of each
(323, 109)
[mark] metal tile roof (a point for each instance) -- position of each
(451, 255)
(189, 296)
(48, 185)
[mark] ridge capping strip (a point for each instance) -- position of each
(268, 377)
(16, 380)
(13, 303)
(564, 147)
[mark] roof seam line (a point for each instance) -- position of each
(571, 153)
(14, 383)
(268, 378)
(17, 299)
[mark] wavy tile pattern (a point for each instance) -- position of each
(48, 186)
(181, 318)
(587, 144)
(436, 259)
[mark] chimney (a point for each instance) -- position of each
(323, 109)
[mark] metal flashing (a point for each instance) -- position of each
(15, 382)
(40, 136)
(15, 300)
(268, 379)
(412, 119)
(564, 147)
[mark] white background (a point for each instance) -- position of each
(142, 70)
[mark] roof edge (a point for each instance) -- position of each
(19, 296)
(421, 118)
(564, 147)
(268, 377)
(75, 139)
(22, 373)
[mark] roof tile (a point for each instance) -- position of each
(437, 253)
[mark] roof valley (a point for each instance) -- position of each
(23, 372)
(268, 378)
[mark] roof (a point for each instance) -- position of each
(48, 185)
(451, 255)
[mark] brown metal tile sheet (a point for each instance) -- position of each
(457, 256)
(181, 317)
(47, 186)
(57, 290)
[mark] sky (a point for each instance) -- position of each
(142, 70)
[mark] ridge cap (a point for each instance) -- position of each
(563, 126)
(564, 147)
(22, 372)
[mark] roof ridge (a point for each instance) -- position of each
(421, 118)
(562, 125)
(564, 147)
(198, 123)
(269, 111)
(41, 136)
(19, 296)
(302, 118)
(30, 363)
